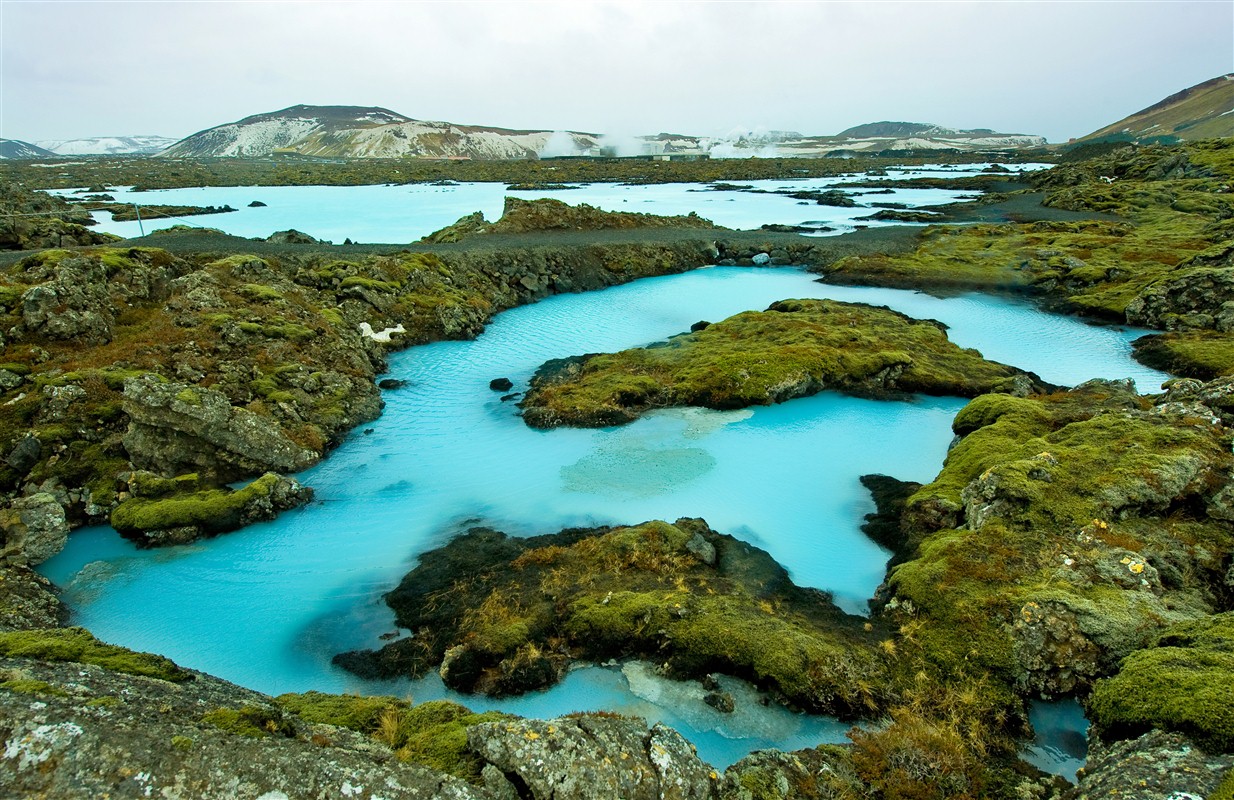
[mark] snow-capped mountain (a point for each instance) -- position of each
(353, 131)
(108, 145)
(15, 148)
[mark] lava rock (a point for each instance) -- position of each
(501, 384)
(720, 701)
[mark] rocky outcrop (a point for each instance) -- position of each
(72, 730)
(546, 214)
(1201, 297)
(1089, 521)
(28, 600)
(175, 428)
(590, 758)
(1153, 766)
(34, 529)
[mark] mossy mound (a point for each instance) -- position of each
(432, 734)
(1184, 684)
(78, 645)
(502, 615)
(175, 517)
(528, 216)
(794, 348)
(361, 713)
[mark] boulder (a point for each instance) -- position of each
(1152, 766)
(28, 600)
(77, 730)
(176, 429)
(293, 236)
(593, 757)
(25, 454)
(34, 529)
(177, 518)
(501, 384)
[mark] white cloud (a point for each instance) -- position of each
(1054, 68)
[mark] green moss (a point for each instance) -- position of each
(1195, 354)
(369, 283)
(106, 701)
(10, 294)
(1185, 684)
(148, 484)
(181, 743)
(32, 686)
(434, 734)
(259, 293)
(78, 645)
(796, 347)
(291, 331)
(212, 510)
(360, 713)
(254, 722)
(188, 397)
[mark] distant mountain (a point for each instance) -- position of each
(369, 132)
(353, 131)
(108, 145)
(1205, 111)
(927, 136)
(13, 148)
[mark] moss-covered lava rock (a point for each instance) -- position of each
(1184, 684)
(501, 615)
(1065, 531)
(794, 348)
(524, 216)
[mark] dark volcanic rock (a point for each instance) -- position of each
(501, 384)
(292, 236)
(391, 383)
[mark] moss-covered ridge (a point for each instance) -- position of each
(546, 214)
(1176, 208)
(1184, 683)
(502, 616)
(1065, 531)
(794, 348)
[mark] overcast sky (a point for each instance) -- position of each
(1058, 69)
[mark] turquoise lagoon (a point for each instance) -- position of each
(405, 213)
(266, 607)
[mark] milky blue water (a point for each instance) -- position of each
(405, 213)
(1060, 746)
(267, 606)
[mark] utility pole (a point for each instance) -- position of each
(140, 227)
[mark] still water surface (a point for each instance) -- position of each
(405, 213)
(267, 606)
